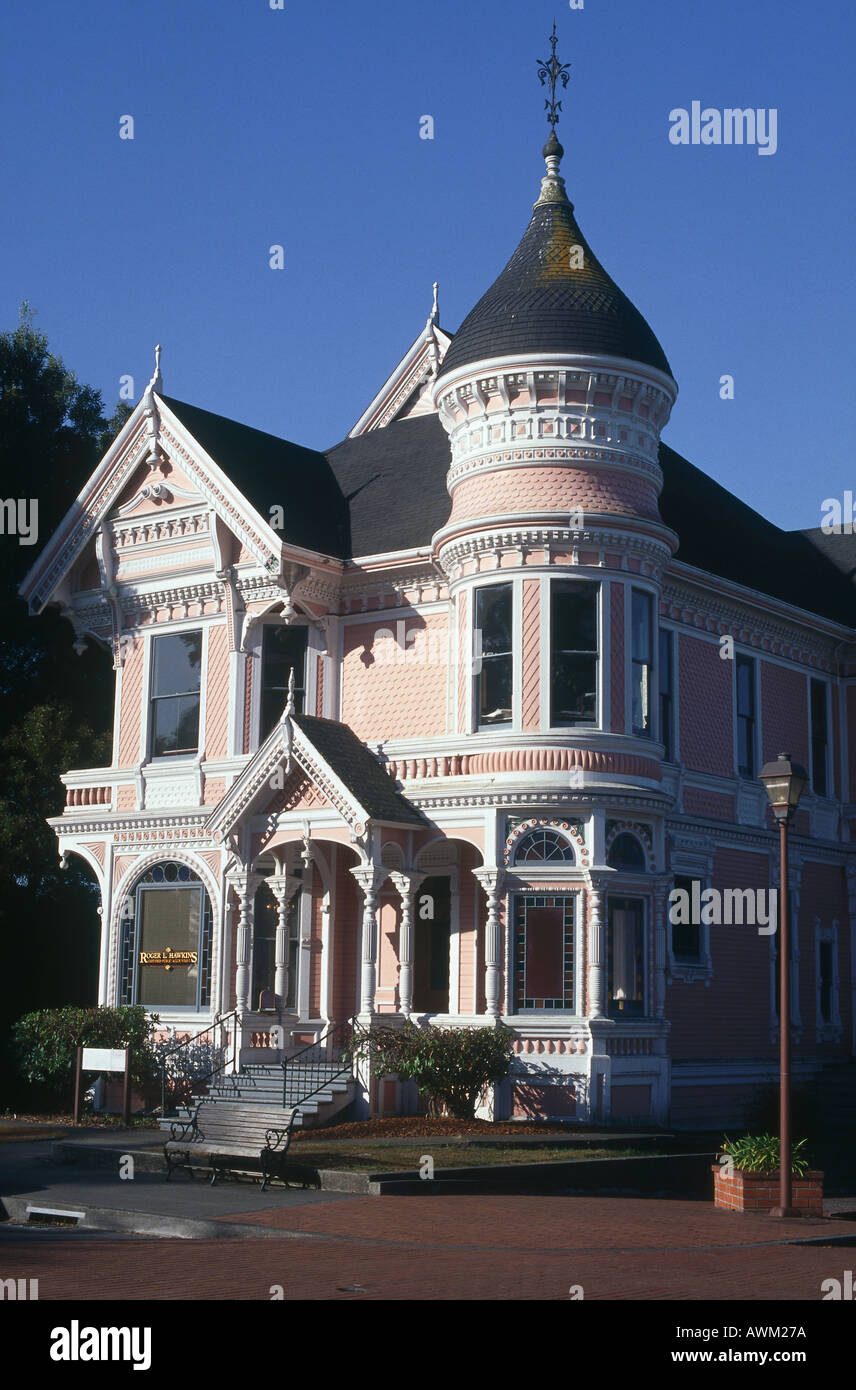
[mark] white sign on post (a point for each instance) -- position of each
(103, 1059)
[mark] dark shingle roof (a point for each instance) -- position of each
(720, 534)
(359, 769)
(271, 472)
(840, 549)
(395, 482)
(540, 304)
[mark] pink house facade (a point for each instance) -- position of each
(538, 661)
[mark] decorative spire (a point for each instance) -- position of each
(289, 704)
(152, 421)
(432, 317)
(551, 73)
(156, 383)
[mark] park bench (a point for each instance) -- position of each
(227, 1136)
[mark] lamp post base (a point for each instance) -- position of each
(785, 1211)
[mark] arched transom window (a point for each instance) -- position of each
(543, 846)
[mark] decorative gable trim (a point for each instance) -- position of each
(420, 364)
(285, 747)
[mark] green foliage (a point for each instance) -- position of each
(55, 706)
(759, 1153)
(46, 1042)
(451, 1066)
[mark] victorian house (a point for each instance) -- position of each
(538, 659)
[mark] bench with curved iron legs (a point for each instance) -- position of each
(226, 1137)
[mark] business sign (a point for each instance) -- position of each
(103, 1059)
(168, 958)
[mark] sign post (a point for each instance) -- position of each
(104, 1059)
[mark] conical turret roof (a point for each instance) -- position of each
(554, 296)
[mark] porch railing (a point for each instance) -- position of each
(167, 1058)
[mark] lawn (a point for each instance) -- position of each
(407, 1158)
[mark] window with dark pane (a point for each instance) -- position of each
(265, 916)
(686, 936)
(641, 619)
(176, 670)
(167, 913)
(493, 651)
(819, 738)
(432, 936)
(625, 957)
(667, 694)
(283, 650)
(626, 853)
(825, 963)
(544, 951)
(573, 652)
(744, 674)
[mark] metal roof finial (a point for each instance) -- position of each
(550, 73)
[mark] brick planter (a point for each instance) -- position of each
(760, 1191)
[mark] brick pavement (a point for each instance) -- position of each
(461, 1248)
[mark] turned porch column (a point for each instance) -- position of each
(491, 882)
(284, 887)
(370, 878)
(406, 883)
(245, 886)
(597, 947)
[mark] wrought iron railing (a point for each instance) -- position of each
(221, 1051)
(338, 1043)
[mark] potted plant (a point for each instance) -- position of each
(746, 1178)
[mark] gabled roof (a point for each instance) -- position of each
(358, 770)
(400, 393)
(270, 472)
(348, 775)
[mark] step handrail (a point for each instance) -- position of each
(347, 1060)
(219, 1021)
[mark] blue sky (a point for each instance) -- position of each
(300, 127)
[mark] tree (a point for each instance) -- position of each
(55, 706)
(451, 1066)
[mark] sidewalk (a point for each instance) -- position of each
(324, 1245)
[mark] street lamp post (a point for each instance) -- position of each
(783, 782)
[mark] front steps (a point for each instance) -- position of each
(318, 1091)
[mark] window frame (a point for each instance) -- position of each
(130, 940)
(742, 660)
(597, 588)
(642, 902)
(148, 723)
(476, 723)
(301, 688)
(815, 684)
(645, 663)
(666, 694)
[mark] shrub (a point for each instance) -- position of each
(451, 1066)
(186, 1068)
(46, 1042)
(759, 1153)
